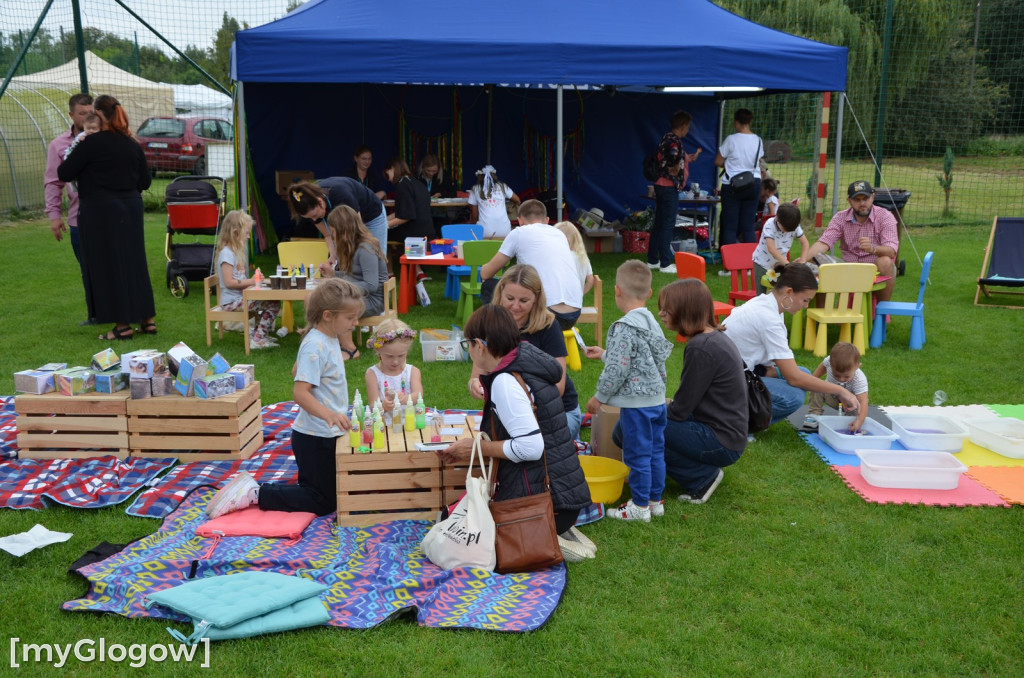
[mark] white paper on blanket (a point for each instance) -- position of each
(23, 542)
(454, 431)
(454, 419)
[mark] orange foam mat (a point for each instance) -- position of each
(1008, 483)
(970, 492)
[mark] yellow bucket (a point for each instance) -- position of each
(605, 477)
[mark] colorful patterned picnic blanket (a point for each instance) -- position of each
(80, 483)
(373, 573)
(8, 429)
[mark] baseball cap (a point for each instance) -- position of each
(859, 188)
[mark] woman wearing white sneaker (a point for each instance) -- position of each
(705, 429)
(527, 420)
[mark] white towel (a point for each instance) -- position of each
(38, 536)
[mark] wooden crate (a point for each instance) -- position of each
(54, 426)
(395, 484)
(229, 427)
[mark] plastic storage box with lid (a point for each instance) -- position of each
(835, 431)
(910, 470)
(1004, 435)
(928, 432)
(439, 346)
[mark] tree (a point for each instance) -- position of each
(946, 178)
(220, 54)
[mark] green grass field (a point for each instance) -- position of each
(784, 572)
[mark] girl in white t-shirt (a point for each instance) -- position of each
(487, 203)
(583, 268)
(393, 378)
(232, 265)
(769, 197)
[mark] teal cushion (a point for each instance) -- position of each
(227, 600)
(300, 615)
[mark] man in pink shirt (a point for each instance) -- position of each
(79, 106)
(865, 234)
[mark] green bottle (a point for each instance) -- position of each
(421, 413)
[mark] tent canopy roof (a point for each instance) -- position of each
(101, 75)
(576, 42)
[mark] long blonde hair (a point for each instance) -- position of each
(349, 233)
(230, 236)
(526, 276)
(575, 243)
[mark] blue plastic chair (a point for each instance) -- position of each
(459, 232)
(914, 310)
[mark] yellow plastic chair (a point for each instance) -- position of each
(474, 254)
(593, 315)
(572, 350)
(295, 253)
(843, 287)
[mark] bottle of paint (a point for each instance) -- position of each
(421, 413)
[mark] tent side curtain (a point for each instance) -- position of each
(648, 42)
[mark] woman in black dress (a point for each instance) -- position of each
(111, 171)
(411, 217)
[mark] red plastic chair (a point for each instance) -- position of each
(738, 259)
(692, 266)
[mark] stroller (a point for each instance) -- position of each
(193, 208)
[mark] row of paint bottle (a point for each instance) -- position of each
(367, 425)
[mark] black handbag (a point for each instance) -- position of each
(759, 403)
(743, 183)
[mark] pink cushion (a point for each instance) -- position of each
(252, 522)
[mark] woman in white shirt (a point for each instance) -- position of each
(740, 152)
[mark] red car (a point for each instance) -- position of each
(179, 144)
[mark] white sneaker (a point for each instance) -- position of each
(572, 551)
(265, 342)
(657, 508)
(577, 537)
(671, 268)
(724, 273)
(811, 422)
(282, 331)
(704, 494)
(241, 492)
(653, 266)
(630, 511)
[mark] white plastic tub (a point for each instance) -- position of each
(834, 430)
(440, 349)
(1004, 435)
(928, 432)
(910, 469)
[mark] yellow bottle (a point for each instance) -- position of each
(378, 433)
(354, 435)
(410, 418)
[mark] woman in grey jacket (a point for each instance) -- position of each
(360, 262)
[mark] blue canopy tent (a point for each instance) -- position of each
(338, 73)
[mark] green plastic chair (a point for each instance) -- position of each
(474, 254)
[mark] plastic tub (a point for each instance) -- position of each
(604, 477)
(910, 470)
(438, 346)
(1004, 435)
(834, 431)
(928, 432)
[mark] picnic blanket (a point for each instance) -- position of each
(80, 483)
(8, 429)
(373, 574)
(991, 479)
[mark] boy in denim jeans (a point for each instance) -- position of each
(633, 379)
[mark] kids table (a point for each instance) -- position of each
(406, 283)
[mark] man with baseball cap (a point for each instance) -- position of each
(866, 234)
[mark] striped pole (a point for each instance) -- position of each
(819, 205)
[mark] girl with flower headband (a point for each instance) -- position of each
(393, 377)
(487, 203)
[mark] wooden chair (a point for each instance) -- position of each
(295, 253)
(844, 286)
(593, 315)
(1003, 266)
(738, 259)
(211, 306)
(904, 308)
(474, 254)
(390, 306)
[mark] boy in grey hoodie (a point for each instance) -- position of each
(633, 379)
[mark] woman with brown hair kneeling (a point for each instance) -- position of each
(523, 432)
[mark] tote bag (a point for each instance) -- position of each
(759, 403)
(466, 537)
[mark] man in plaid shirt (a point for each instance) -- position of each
(866, 234)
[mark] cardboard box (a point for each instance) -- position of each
(34, 381)
(111, 381)
(141, 388)
(214, 386)
(52, 367)
(244, 375)
(74, 381)
(191, 367)
(176, 353)
(143, 364)
(601, 426)
(105, 360)
(162, 383)
(285, 178)
(217, 365)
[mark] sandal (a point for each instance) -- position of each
(120, 334)
(148, 328)
(352, 355)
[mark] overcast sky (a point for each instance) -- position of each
(183, 22)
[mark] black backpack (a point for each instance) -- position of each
(652, 167)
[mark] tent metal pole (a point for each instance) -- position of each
(839, 152)
(24, 49)
(241, 144)
(559, 156)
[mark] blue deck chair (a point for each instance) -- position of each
(1004, 260)
(459, 232)
(912, 309)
